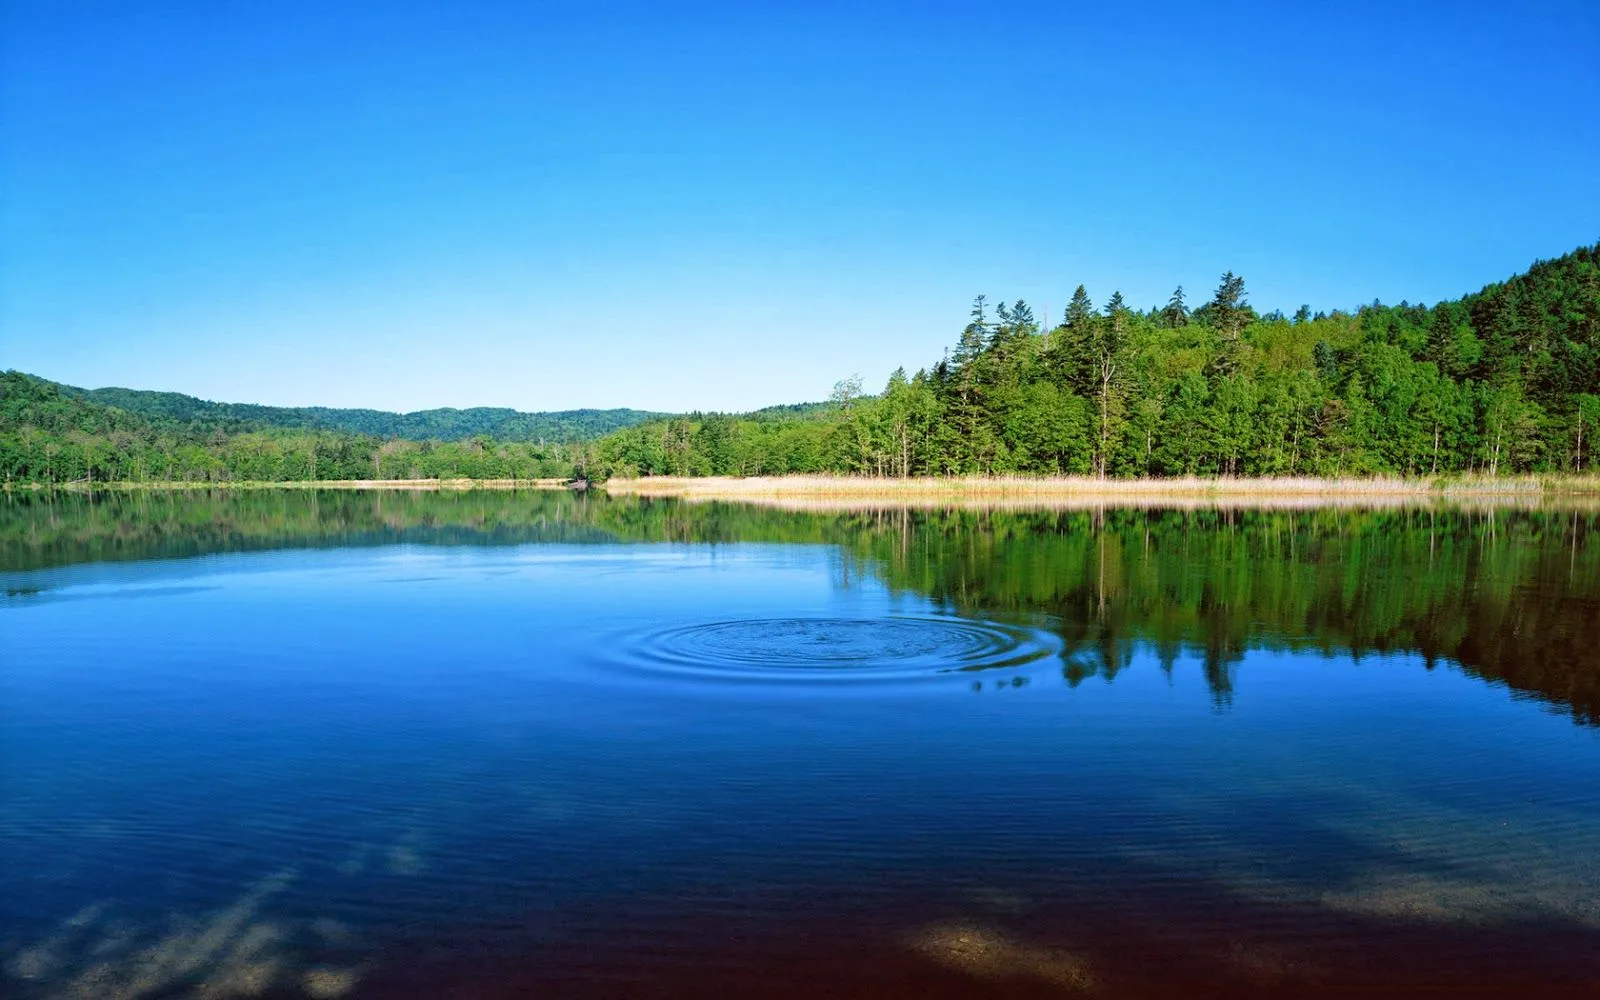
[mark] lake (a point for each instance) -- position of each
(500, 744)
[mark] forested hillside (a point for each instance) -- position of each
(55, 435)
(175, 408)
(1504, 380)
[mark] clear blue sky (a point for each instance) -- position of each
(548, 205)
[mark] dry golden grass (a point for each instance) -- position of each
(1083, 491)
(847, 492)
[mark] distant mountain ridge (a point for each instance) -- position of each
(55, 433)
(443, 424)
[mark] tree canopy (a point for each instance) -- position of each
(1505, 380)
(177, 409)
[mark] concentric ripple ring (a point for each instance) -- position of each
(838, 648)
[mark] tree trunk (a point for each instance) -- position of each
(1579, 467)
(1105, 416)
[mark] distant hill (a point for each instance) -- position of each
(54, 433)
(176, 408)
(33, 402)
(784, 410)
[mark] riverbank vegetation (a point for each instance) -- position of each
(1112, 491)
(1503, 382)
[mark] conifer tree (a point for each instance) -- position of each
(1175, 313)
(1228, 307)
(1072, 353)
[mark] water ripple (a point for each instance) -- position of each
(836, 648)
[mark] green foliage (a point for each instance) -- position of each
(172, 409)
(1505, 380)
(1493, 383)
(52, 434)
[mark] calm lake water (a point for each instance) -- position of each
(505, 745)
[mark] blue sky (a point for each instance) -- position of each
(689, 205)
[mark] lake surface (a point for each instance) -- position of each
(505, 745)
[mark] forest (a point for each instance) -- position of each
(49, 434)
(176, 409)
(1502, 381)
(1506, 380)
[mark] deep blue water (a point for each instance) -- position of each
(746, 768)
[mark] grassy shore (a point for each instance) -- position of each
(1019, 488)
(837, 491)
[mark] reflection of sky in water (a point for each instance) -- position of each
(268, 773)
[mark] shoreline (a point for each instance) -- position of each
(920, 488)
(861, 493)
(1018, 488)
(292, 484)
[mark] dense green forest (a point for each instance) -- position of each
(176, 410)
(1506, 380)
(1507, 594)
(55, 435)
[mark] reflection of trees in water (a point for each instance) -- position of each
(1513, 595)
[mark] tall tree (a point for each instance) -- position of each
(1229, 310)
(1072, 350)
(1080, 311)
(1175, 313)
(1108, 341)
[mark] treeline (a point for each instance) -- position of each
(1506, 594)
(1503, 381)
(175, 411)
(50, 435)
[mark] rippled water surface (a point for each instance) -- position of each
(506, 745)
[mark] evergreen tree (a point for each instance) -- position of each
(1229, 311)
(1326, 360)
(1175, 314)
(1072, 353)
(1108, 341)
(1080, 311)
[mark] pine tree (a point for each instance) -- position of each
(973, 337)
(1228, 308)
(1080, 311)
(1175, 314)
(1326, 360)
(1441, 344)
(1072, 352)
(1107, 343)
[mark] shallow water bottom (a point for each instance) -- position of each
(749, 770)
